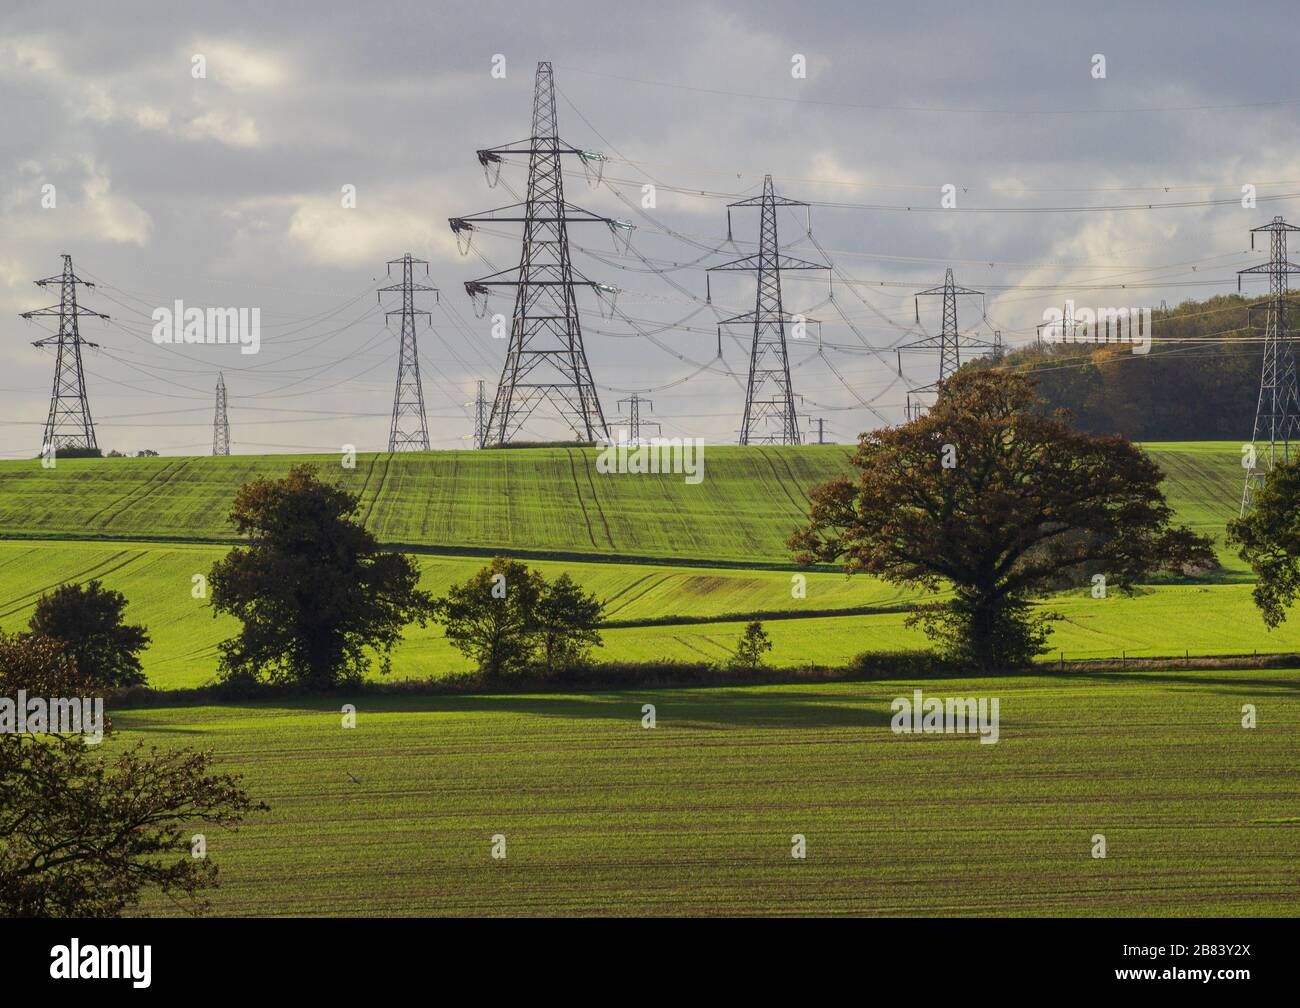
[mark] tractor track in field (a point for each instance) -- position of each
(156, 482)
(595, 499)
(794, 480)
(780, 482)
(657, 581)
(625, 589)
(89, 574)
(577, 493)
(383, 478)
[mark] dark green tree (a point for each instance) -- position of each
(316, 595)
(751, 647)
(492, 617)
(1269, 537)
(89, 621)
(567, 624)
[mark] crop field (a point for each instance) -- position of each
(697, 815)
(679, 613)
(75, 523)
(528, 499)
(539, 500)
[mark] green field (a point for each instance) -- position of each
(696, 815)
(76, 522)
(681, 613)
(548, 499)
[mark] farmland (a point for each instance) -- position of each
(533, 500)
(78, 521)
(696, 815)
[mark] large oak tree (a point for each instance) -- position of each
(1000, 504)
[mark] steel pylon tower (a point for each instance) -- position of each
(1277, 415)
(221, 422)
(546, 360)
(69, 424)
(480, 417)
(949, 342)
(409, 430)
(770, 416)
(634, 421)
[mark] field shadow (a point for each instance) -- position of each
(1213, 683)
(691, 709)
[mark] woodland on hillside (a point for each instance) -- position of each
(1198, 382)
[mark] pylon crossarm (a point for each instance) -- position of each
(531, 146)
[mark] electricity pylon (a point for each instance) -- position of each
(949, 342)
(69, 424)
(634, 421)
(1277, 414)
(410, 429)
(769, 396)
(221, 423)
(546, 360)
(480, 417)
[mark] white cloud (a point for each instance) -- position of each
(231, 128)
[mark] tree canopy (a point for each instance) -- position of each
(316, 595)
(89, 621)
(986, 496)
(1269, 537)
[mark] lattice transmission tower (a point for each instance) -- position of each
(409, 430)
(480, 417)
(1277, 414)
(634, 421)
(546, 361)
(770, 416)
(949, 341)
(69, 424)
(221, 422)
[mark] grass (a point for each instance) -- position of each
(696, 816)
(679, 613)
(540, 500)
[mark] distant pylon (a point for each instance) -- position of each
(634, 421)
(69, 424)
(949, 342)
(1277, 414)
(221, 423)
(410, 429)
(545, 360)
(480, 417)
(770, 416)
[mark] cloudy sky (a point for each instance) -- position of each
(224, 190)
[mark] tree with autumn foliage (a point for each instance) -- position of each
(1000, 504)
(316, 595)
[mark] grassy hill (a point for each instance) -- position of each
(544, 499)
(539, 500)
(696, 816)
(146, 526)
